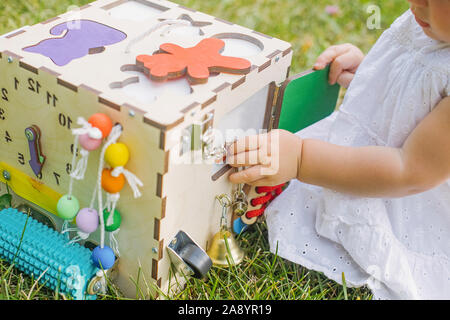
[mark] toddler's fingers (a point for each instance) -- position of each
(329, 55)
(246, 176)
(264, 182)
(247, 143)
(340, 64)
(249, 158)
(325, 58)
(345, 78)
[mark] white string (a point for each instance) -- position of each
(87, 128)
(81, 166)
(65, 226)
(112, 138)
(111, 201)
(113, 241)
(79, 170)
(81, 236)
(132, 180)
(177, 23)
(75, 147)
(68, 230)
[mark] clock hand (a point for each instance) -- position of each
(37, 159)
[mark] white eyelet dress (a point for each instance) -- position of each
(398, 247)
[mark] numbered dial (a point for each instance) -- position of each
(36, 122)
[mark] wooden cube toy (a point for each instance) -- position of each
(170, 76)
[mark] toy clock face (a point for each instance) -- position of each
(35, 129)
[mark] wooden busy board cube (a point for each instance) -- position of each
(85, 62)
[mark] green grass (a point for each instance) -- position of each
(310, 30)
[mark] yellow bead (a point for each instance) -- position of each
(117, 155)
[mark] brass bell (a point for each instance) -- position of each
(224, 249)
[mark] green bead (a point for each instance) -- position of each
(117, 220)
(67, 207)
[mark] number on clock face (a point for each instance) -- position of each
(28, 104)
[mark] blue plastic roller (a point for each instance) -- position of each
(36, 249)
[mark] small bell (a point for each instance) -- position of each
(224, 249)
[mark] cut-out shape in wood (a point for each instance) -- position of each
(240, 48)
(196, 62)
(80, 38)
(136, 11)
(141, 88)
(240, 45)
(193, 30)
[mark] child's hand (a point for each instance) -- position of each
(273, 158)
(345, 60)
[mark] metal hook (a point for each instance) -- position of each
(222, 203)
(225, 206)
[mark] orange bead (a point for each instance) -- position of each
(102, 122)
(112, 184)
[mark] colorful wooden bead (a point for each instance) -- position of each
(102, 122)
(89, 143)
(117, 155)
(116, 220)
(103, 258)
(112, 184)
(87, 220)
(67, 207)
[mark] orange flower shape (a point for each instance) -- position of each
(197, 62)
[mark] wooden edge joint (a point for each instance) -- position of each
(15, 34)
(156, 229)
(286, 52)
(67, 85)
(238, 83)
(209, 101)
(273, 54)
(108, 103)
(265, 65)
(28, 67)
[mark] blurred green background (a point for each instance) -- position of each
(310, 26)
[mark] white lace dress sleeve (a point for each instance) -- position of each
(398, 247)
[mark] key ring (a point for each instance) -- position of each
(225, 205)
(226, 197)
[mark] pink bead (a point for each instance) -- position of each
(88, 143)
(87, 220)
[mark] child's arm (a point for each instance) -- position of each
(421, 164)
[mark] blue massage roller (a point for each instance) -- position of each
(38, 250)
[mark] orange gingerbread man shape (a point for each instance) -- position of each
(197, 62)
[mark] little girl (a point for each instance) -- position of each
(370, 195)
